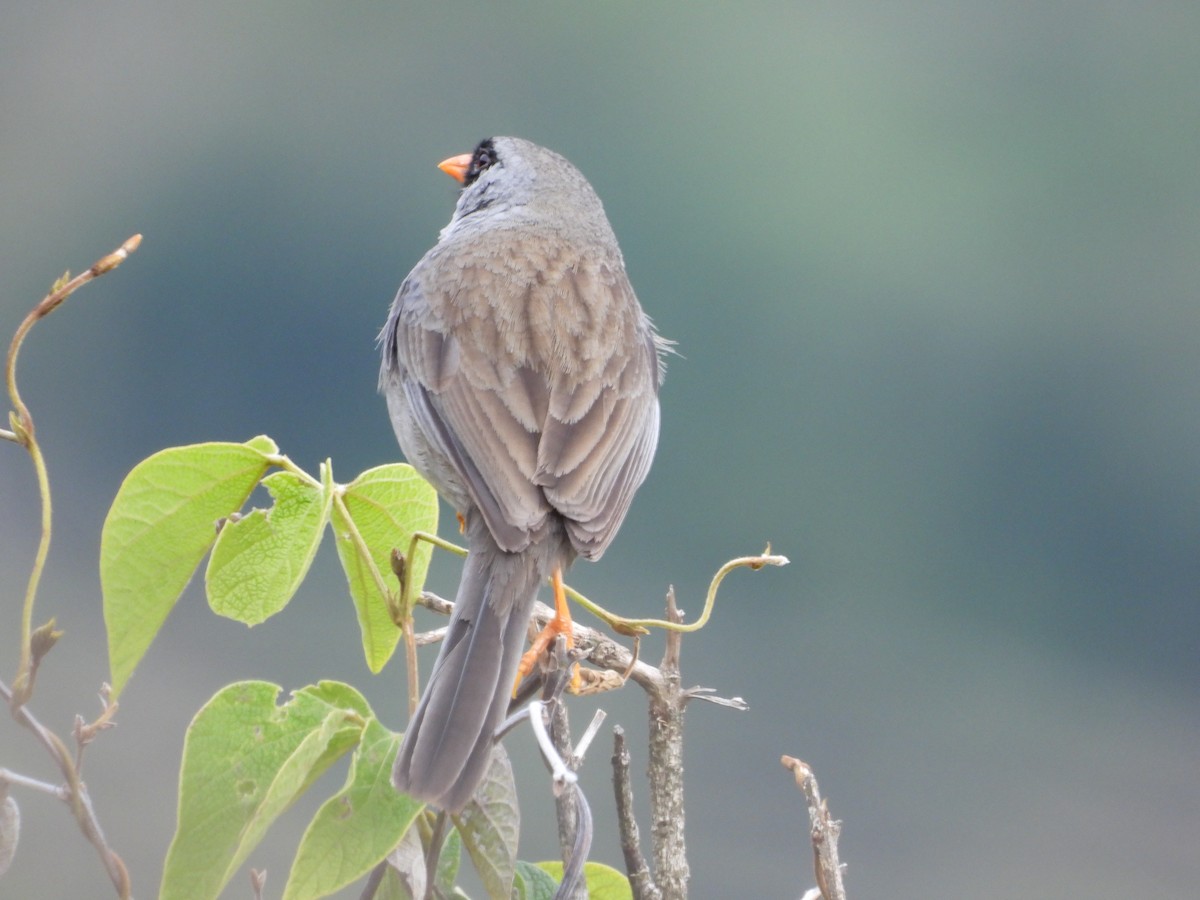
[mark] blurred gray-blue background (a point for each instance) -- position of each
(933, 271)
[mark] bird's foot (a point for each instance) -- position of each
(560, 624)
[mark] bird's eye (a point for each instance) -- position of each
(482, 160)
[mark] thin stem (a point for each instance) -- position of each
(405, 612)
(23, 433)
(360, 545)
(410, 662)
(60, 292)
(406, 601)
(7, 777)
(23, 685)
(639, 626)
(282, 461)
(431, 538)
(408, 629)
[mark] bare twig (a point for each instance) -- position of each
(258, 881)
(640, 879)
(85, 732)
(824, 834)
(7, 777)
(77, 796)
(589, 735)
(434, 603)
(433, 636)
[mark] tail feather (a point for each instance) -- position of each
(448, 743)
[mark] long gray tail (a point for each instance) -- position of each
(449, 741)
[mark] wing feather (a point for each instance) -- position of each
(527, 402)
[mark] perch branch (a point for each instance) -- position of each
(667, 703)
(667, 706)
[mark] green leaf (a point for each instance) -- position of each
(533, 883)
(260, 559)
(375, 514)
(159, 527)
(358, 826)
(490, 825)
(448, 861)
(264, 445)
(603, 882)
(245, 761)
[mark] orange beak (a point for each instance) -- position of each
(456, 167)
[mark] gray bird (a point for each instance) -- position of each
(521, 377)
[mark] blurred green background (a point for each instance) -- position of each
(933, 271)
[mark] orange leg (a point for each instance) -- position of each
(560, 624)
